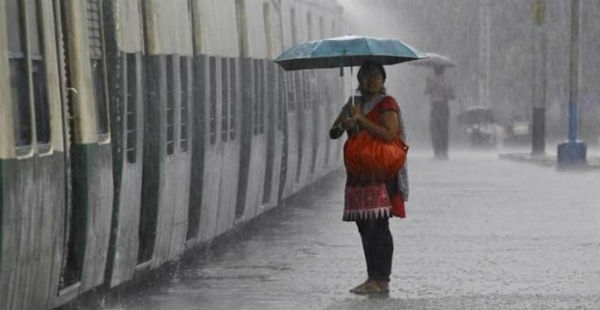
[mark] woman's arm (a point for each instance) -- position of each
(340, 124)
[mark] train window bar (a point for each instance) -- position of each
(186, 92)
(261, 100)
(95, 36)
(170, 105)
(18, 77)
(307, 90)
(281, 99)
(232, 98)
(212, 100)
(224, 100)
(268, 28)
(289, 89)
(38, 77)
(255, 97)
(298, 90)
(321, 27)
(133, 82)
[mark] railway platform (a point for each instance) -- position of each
(480, 233)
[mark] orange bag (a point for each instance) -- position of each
(371, 158)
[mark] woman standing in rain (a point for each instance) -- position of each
(370, 203)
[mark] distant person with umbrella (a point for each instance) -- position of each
(440, 91)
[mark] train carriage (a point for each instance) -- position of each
(335, 101)
(275, 107)
(216, 125)
(88, 171)
(305, 82)
(132, 129)
(32, 157)
(126, 101)
(275, 137)
(320, 102)
(334, 97)
(291, 80)
(167, 130)
(256, 95)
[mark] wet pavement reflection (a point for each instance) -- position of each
(481, 233)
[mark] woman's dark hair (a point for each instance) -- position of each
(370, 66)
(367, 67)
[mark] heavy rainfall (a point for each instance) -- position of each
(499, 107)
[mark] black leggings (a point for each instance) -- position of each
(378, 246)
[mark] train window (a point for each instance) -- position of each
(290, 90)
(258, 102)
(280, 100)
(305, 90)
(16, 46)
(94, 15)
(309, 25)
(186, 92)
(212, 100)
(232, 98)
(293, 22)
(224, 99)
(18, 73)
(321, 27)
(298, 90)
(255, 98)
(333, 30)
(40, 96)
(170, 105)
(131, 106)
(262, 97)
(308, 90)
(267, 26)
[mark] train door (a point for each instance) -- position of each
(306, 126)
(200, 144)
(231, 143)
(31, 157)
(320, 132)
(274, 125)
(302, 100)
(252, 165)
(165, 182)
(291, 133)
(282, 103)
(87, 145)
(207, 120)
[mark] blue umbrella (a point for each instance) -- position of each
(347, 51)
(435, 60)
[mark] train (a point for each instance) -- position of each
(132, 131)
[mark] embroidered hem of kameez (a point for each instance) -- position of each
(367, 214)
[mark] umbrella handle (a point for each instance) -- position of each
(342, 63)
(352, 84)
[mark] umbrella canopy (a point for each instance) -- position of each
(435, 60)
(346, 51)
(474, 115)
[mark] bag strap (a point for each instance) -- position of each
(368, 106)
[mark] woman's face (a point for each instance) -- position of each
(371, 82)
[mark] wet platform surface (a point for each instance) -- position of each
(480, 233)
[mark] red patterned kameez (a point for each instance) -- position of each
(368, 199)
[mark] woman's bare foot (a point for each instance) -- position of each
(360, 287)
(371, 287)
